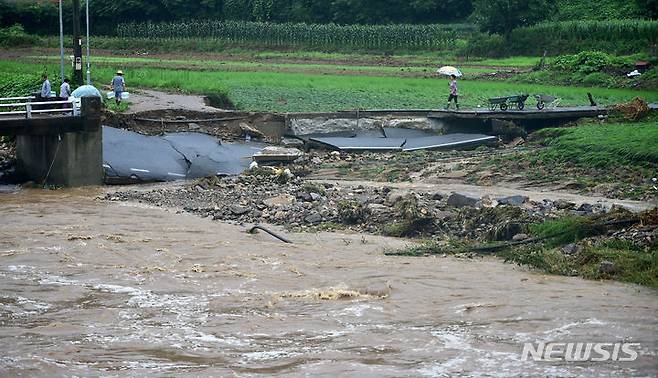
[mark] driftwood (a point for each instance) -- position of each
(253, 229)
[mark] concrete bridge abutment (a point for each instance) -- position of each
(63, 151)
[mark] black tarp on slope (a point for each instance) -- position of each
(130, 157)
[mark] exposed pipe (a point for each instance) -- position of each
(252, 230)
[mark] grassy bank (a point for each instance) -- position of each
(290, 92)
(605, 246)
(617, 160)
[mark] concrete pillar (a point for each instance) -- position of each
(76, 159)
(67, 159)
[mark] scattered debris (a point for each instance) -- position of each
(634, 110)
(277, 154)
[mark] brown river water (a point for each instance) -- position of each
(90, 288)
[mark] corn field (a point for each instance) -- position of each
(614, 36)
(308, 35)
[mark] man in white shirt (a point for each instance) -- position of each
(45, 87)
(65, 90)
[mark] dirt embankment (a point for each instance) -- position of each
(225, 125)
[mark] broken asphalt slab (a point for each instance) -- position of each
(129, 156)
(400, 139)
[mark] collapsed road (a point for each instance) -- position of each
(132, 157)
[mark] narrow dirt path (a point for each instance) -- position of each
(143, 100)
(446, 187)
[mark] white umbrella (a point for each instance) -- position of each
(449, 71)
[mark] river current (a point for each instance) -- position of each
(91, 288)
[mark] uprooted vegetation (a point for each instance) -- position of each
(617, 245)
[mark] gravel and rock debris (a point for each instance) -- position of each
(278, 196)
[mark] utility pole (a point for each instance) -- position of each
(88, 53)
(77, 45)
(61, 43)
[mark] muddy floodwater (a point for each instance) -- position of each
(91, 288)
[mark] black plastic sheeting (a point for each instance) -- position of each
(362, 143)
(447, 141)
(399, 139)
(132, 157)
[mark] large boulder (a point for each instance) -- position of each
(461, 200)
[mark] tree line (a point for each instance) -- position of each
(41, 16)
(493, 16)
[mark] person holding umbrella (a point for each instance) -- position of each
(453, 92)
(454, 73)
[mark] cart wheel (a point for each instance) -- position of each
(540, 105)
(521, 105)
(503, 106)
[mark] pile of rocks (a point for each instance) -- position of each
(276, 196)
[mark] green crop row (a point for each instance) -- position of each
(299, 34)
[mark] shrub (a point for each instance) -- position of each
(15, 36)
(585, 62)
(18, 85)
(598, 79)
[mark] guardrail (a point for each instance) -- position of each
(29, 105)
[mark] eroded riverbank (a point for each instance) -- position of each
(102, 288)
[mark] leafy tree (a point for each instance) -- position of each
(262, 10)
(237, 9)
(649, 8)
(41, 16)
(501, 16)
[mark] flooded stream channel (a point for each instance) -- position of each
(91, 288)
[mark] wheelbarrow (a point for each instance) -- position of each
(505, 102)
(543, 100)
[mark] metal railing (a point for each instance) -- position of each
(28, 105)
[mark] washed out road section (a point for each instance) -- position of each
(133, 157)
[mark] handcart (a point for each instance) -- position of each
(543, 100)
(505, 102)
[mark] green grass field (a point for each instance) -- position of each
(617, 159)
(295, 92)
(305, 63)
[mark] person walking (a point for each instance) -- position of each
(65, 93)
(453, 92)
(118, 86)
(65, 90)
(45, 87)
